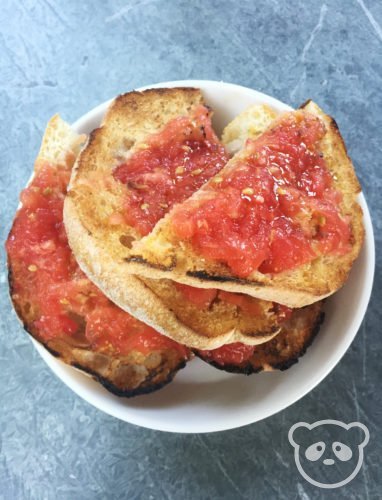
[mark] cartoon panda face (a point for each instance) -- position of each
(328, 453)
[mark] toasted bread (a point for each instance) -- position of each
(284, 350)
(162, 255)
(101, 247)
(249, 124)
(125, 375)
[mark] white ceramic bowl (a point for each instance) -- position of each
(201, 398)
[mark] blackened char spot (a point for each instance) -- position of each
(129, 393)
(304, 104)
(315, 329)
(334, 123)
(141, 260)
(202, 275)
(246, 369)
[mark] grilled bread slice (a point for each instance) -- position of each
(281, 352)
(51, 319)
(162, 255)
(101, 242)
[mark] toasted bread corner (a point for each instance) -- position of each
(249, 124)
(60, 144)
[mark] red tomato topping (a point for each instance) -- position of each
(283, 312)
(275, 210)
(169, 167)
(46, 275)
(248, 304)
(108, 325)
(230, 354)
(201, 297)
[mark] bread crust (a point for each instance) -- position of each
(161, 255)
(97, 245)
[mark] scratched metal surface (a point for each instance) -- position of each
(69, 56)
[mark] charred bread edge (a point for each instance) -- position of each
(145, 389)
(282, 366)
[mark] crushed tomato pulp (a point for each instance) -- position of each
(49, 285)
(274, 209)
(170, 166)
(204, 297)
(229, 355)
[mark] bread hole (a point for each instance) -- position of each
(128, 143)
(153, 360)
(127, 240)
(129, 376)
(93, 361)
(77, 318)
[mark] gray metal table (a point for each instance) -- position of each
(68, 57)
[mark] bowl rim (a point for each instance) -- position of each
(90, 396)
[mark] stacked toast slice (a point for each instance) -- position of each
(102, 240)
(163, 254)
